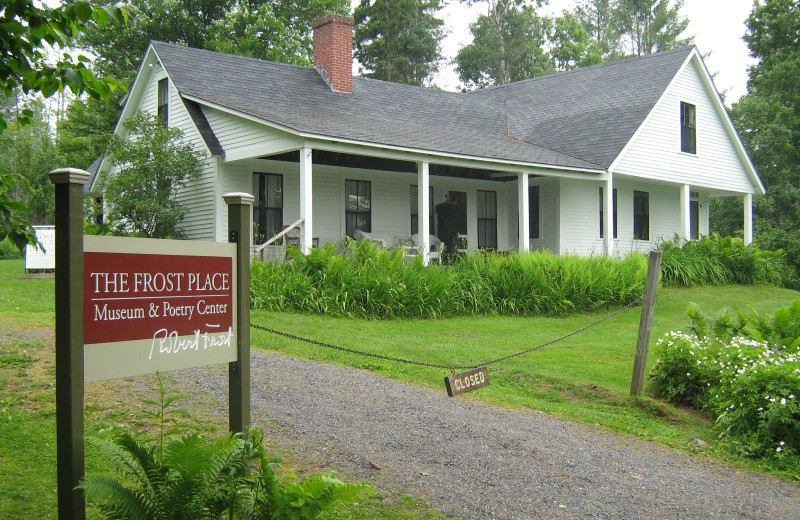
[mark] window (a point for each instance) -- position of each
(163, 100)
(97, 208)
(533, 212)
(415, 211)
(613, 212)
(694, 219)
(487, 219)
(358, 207)
(688, 128)
(641, 215)
(268, 206)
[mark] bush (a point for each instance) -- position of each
(174, 477)
(192, 477)
(9, 251)
(750, 389)
(714, 260)
(366, 281)
(781, 330)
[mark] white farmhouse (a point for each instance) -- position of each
(535, 164)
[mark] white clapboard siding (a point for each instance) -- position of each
(548, 214)
(655, 152)
(235, 133)
(198, 196)
(580, 216)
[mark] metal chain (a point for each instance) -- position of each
(437, 365)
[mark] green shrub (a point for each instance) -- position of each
(363, 280)
(9, 251)
(714, 260)
(781, 330)
(231, 477)
(683, 373)
(750, 389)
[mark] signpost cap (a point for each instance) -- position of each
(239, 198)
(69, 176)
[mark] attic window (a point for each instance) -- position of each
(688, 128)
(163, 100)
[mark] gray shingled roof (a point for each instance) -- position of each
(579, 119)
(590, 112)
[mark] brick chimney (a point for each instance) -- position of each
(333, 51)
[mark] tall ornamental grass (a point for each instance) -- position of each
(715, 260)
(363, 280)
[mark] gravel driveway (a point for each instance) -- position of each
(478, 461)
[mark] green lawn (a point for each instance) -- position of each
(27, 414)
(584, 378)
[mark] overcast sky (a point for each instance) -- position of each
(717, 25)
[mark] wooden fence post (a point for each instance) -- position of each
(69, 340)
(239, 209)
(646, 322)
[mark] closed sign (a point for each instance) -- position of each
(466, 381)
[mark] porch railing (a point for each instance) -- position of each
(276, 245)
(285, 231)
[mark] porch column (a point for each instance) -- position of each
(524, 212)
(686, 230)
(608, 214)
(423, 209)
(748, 218)
(306, 208)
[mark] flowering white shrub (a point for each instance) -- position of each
(750, 388)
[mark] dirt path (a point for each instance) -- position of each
(478, 461)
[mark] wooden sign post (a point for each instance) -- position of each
(646, 322)
(239, 211)
(69, 340)
(131, 306)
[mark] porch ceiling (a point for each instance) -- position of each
(368, 162)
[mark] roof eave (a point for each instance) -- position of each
(420, 153)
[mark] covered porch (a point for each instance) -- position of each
(331, 190)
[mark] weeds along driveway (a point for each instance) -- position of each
(478, 461)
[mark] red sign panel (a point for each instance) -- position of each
(156, 297)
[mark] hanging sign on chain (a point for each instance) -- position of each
(466, 381)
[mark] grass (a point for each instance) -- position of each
(27, 414)
(585, 378)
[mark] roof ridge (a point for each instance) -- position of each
(229, 55)
(576, 70)
(408, 85)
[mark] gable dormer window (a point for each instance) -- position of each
(163, 100)
(688, 128)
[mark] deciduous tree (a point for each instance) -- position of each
(768, 120)
(272, 30)
(27, 30)
(597, 17)
(508, 45)
(648, 26)
(572, 46)
(151, 165)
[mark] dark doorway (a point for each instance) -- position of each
(694, 219)
(451, 218)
